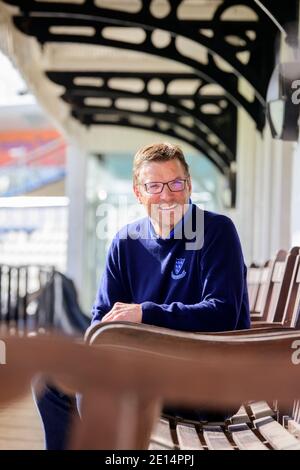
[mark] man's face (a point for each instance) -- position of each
(168, 207)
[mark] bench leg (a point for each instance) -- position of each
(114, 421)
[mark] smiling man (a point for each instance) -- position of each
(180, 267)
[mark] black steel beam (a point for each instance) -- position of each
(40, 27)
(172, 130)
(219, 41)
(222, 125)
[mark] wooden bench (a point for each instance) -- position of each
(280, 301)
(255, 276)
(277, 296)
(141, 342)
(124, 385)
(281, 308)
(244, 431)
(256, 425)
(258, 281)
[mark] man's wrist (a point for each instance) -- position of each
(142, 313)
(146, 312)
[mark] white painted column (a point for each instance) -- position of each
(295, 191)
(264, 199)
(281, 201)
(273, 185)
(295, 198)
(258, 201)
(243, 215)
(266, 158)
(76, 192)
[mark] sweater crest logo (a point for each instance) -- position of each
(178, 272)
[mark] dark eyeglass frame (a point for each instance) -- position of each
(184, 180)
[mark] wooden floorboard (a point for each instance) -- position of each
(20, 426)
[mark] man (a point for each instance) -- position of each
(180, 267)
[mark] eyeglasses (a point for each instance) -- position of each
(157, 188)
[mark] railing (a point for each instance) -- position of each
(20, 288)
(39, 299)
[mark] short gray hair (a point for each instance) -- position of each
(161, 152)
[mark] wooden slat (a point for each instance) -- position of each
(162, 434)
(295, 410)
(278, 271)
(263, 289)
(298, 276)
(294, 318)
(216, 439)
(260, 409)
(283, 310)
(278, 437)
(188, 437)
(273, 302)
(254, 275)
(241, 416)
(253, 282)
(244, 438)
(296, 415)
(265, 274)
(294, 428)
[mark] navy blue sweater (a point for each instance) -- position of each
(198, 289)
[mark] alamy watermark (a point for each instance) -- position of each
(296, 93)
(114, 218)
(2, 352)
(296, 354)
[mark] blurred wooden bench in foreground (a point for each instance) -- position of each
(128, 371)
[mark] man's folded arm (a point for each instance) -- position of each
(211, 315)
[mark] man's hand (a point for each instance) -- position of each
(124, 312)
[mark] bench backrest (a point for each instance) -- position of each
(258, 311)
(254, 275)
(292, 308)
(146, 338)
(279, 287)
(276, 300)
